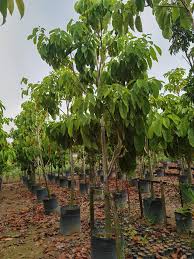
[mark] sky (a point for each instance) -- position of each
(19, 57)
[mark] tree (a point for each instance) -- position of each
(6, 151)
(170, 123)
(101, 69)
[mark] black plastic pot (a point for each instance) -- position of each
(144, 186)
(69, 183)
(184, 179)
(81, 176)
(134, 182)
(67, 173)
(103, 248)
(70, 222)
(24, 179)
(34, 188)
(50, 177)
(183, 222)
(102, 178)
(57, 179)
(63, 182)
(120, 199)
(153, 210)
(99, 172)
(160, 172)
(83, 188)
(29, 184)
(50, 205)
(41, 194)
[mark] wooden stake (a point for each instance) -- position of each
(163, 202)
(140, 199)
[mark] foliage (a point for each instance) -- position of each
(8, 5)
(168, 13)
(101, 72)
(6, 151)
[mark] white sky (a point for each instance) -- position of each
(19, 58)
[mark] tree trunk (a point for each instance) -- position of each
(190, 176)
(108, 227)
(72, 179)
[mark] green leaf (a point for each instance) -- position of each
(140, 5)
(157, 127)
(70, 128)
(175, 14)
(131, 21)
(21, 8)
(174, 118)
(155, 87)
(153, 54)
(139, 142)
(166, 122)
(3, 9)
(191, 136)
(185, 19)
(165, 135)
(167, 32)
(117, 21)
(123, 110)
(150, 132)
(158, 49)
(183, 127)
(138, 23)
(10, 6)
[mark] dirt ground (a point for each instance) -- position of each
(26, 232)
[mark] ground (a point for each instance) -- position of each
(26, 232)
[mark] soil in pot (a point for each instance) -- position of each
(183, 221)
(50, 205)
(41, 194)
(153, 210)
(70, 222)
(103, 248)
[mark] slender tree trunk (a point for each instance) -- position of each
(84, 165)
(72, 178)
(117, 228)
(108, 227)
(151, 174)
(190, 176)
